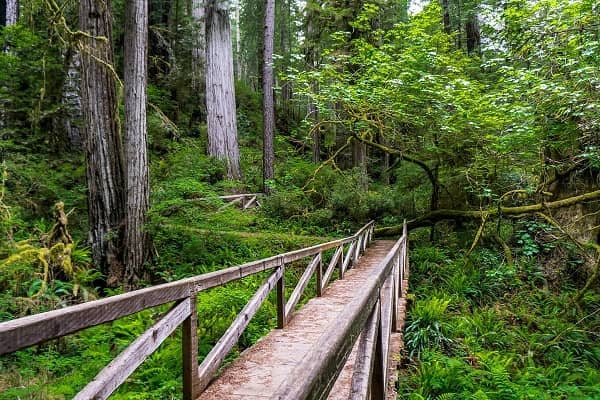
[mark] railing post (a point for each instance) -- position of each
(356, 251)
(189, 350)
(395, 295)
(378, 383)
(320, 275)
(281, 317)
(341, 262)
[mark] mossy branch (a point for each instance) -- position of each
(460, 215)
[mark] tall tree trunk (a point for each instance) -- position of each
(12, 12)
(136, 143)
(268, 106)
(311, 57)
(198, 49)
(238, 42)
(220, 92)
(72, 100)
(103, 147)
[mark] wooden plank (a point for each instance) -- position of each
(378, 383)
(320, 276)
(189, 353)
(213, 360)
(341, 263)
(385, 331)
(365, 357)
(27, 331)
(346, 264)
(330, 268)
(119, 369)
(357, 249)
(281, 318)
(249, 203)
(395, 294)
(301, 286)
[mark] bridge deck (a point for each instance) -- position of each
(260, 370)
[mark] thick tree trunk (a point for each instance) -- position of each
(12, 12)
(268, 106)
(103, 148)
(136, 147)
(220, 92)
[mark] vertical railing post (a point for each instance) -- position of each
(281, 317)
(189, 350)
(395, 294)
(378, 383)
(320, 275)
(356, 254)
(341, 262)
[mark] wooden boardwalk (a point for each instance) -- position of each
(261, 370)
(344, 344)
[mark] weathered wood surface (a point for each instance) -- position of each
(363, 366)
(301, 286)
(27, 331)
(286, 357)
(21, 333)
(213, 360)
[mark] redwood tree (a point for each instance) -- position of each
(268, 107)
(220, 92)
(136, 147)
(103, 147)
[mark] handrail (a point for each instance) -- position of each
(24, 332)
(373, 317)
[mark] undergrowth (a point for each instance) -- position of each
(482, 329)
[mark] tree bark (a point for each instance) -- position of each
(220, 92)
(136, 143)
(268, 106)
(71, 99)
(12, 12)
(198, 49)
(311, 57)
(103, 147)
(238, 42)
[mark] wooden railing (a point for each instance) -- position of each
(24, 332)
(245, 200)
(375, 316)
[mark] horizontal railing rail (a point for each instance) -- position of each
(371, 319)
(245, 200)
(24, 332)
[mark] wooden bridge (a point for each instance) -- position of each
(342, 344)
